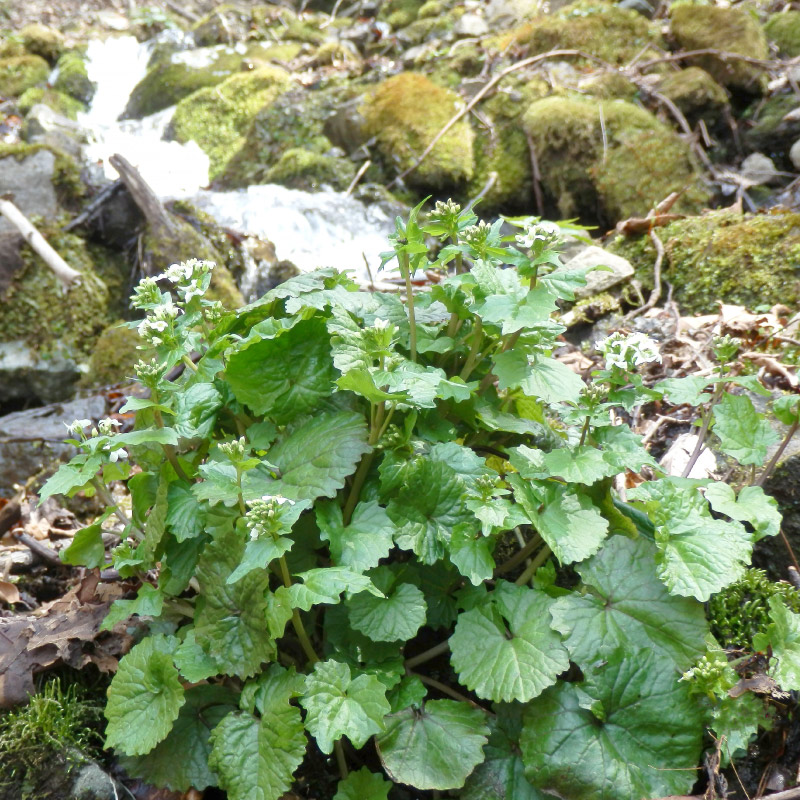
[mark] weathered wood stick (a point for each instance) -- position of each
(153, 209)
(60, 268)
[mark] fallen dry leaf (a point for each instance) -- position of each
(9, 593)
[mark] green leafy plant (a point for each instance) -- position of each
(391, 528)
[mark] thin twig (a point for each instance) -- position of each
(362, 169)
(428, 655)
(445, 689)
(537, 176)
(40, 550)
(773, 462)
(655, 295)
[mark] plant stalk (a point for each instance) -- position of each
(428, 654)
(519, 556)
(773, 462)
(536, 562)
(701, 437)
(405, 268)
(297, 623)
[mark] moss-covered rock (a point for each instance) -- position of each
(11, 45)
(176, 76)
(747, 259)
(783, 30)
(336, 54)
(295, 120)
(43, 41)
(18, 73)
(66, 178)
(614, 34)
(623, 172)
(218, 117)
(404, 114)
(302, 169)
(183, 244)
(609, 86)
(113, 356)
(60, 103)
(734, 30)
(226, 24)
(771, 132)
(399, 13)
(73, 79)
(696, 94)
(38, 311)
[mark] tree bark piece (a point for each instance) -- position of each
(157, 216)
(60, 268)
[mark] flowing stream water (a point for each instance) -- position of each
(311, 229)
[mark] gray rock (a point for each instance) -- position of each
(45, 126)
(30, 181)
(505, 13)
(619, 269)
(471, 25)
(32, 440)
(759, 169)
(642, 7)
(93, 783)
(24, 373)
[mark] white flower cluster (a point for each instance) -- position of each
(539, 231)
(627, 352)
(263, 514)
(234, 450)
(188, 277)
(448, 209)
(156, 327)
(145, 294)
(476, 235)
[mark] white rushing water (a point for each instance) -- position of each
(311, 229)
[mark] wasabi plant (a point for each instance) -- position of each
(390, 527)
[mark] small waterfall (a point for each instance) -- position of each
(311, 229)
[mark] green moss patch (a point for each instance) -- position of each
(66, 173)
(784, 31)
(404, 114)
(73, 79)
(301, 169)
(622, 173)
(696, 94)
(60, 103)
(113, 356)
(18, 73)
(748, 259)
(733, 30)
(771, 133)
(43, 41)
(614, 34)
(217, 117)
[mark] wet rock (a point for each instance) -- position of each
(505, 13)
(45, 126)
(218, 117)
(91, 782)
(301, 169)
(618, 269)
(73, 79)
(734, 30)
(61, 103)
(776, 128)
(759, 169)
(25, 374)
(227, 23)
(30, 181)
(471, 25)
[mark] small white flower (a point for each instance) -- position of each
(539, 231)
(107, 426)
(627, 352)
(116, 455)
(77, 426)
(381, 324)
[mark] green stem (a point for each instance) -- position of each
(428, 655)
(701, 437)
(472, 358)
(297, 623)
(762, 479)
(169, 449)
(108, 501)
(341, 762)
(189, 363)
(536, 562)
(355, 489)
(519, 556)
(584, 431)
(405, 268)
(445, 689)
(386, 423)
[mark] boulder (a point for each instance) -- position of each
(610, 159)
(783, 30)
(19, 73)
(45, 126)
(60, 102)
(734, 30)
(73, 79)
(697, 95)
(744, 259)
(759, 169)
(404, 114)
(24, 373)
(218, 117)
(43, 41)
(617, 270)
(30, 181)
(508, 13)
(472, 25)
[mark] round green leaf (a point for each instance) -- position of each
(396, 617)
(363, 785)
(630, 730)
(508, 663)
(435, 747)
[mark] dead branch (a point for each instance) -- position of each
(59, 267)
(655, 295)
(153, 209)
